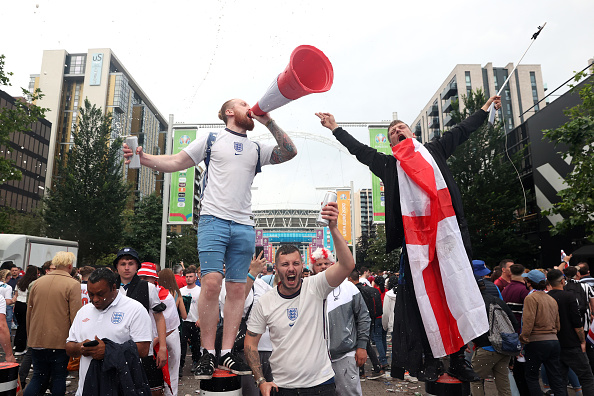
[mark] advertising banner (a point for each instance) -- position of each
(378, 139)
(181, 195)
(344, 214)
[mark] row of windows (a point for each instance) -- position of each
(30, 143)
(24, 161)
(18, 201)
(534, 92)
(75, 64)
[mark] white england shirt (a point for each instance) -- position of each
(300, 357)
(124, 319)
(233, 159)
(195, 294)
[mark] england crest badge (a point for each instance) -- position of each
(292, 313)
(238, 146)
(117, 317)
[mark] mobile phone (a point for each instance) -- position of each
(91, 343)
(258, 250)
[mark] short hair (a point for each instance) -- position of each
(516, 269)
(354, 276)
(105, 274)
(86, 271)
(7, 265)
(363, 270)
(64, 259)
(503, 263)
(190, 270)
(177, 269)
(585, 269)
(396, 122)
(554, 277)
(570, 272)
(305, 269)
(286, 249)
(537, 286)
(227, 105)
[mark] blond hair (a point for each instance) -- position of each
(64, 259)
(3, 274)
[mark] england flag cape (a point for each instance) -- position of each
(451, 306)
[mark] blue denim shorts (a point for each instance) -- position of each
(225, 241)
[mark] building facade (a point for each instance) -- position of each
(29, 151)
(519, 98)
(66, 80)
(363, 208)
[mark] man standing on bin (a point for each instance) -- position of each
(226, 227)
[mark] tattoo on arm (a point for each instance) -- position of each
(253, 359)
(285, 148)
(580, 334)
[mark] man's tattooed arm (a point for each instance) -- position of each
(285, 148)
(252, 356)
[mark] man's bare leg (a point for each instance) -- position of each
(208, 308)
(233, 312)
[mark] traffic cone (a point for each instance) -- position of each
(309, 71)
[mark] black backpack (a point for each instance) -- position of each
(372, 299)
(576, 289)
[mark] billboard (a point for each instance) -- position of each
(343, 198)
(181, 193)
(378, 139)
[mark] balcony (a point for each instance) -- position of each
(433, 123)
(447, 104)
(449, 91)
(433, 111)
(447, 121)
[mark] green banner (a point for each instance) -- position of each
(181, 197)
(378, 139)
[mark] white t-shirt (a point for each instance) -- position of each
(365, 281)
(233, 159)
(300, 357)
(5, 291)
(125, 319)
(195, 294)
(170, 315)
(84, 294)
(2, 306)
(261, 287)
(223, 296)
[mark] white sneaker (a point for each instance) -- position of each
(68, 383)
(409, 378)
(20, 353)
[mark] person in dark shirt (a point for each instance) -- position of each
(480, 270)
(571, 336)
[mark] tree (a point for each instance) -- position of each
(376, 258)
(491, 192)
(577, 200)
(87, 202)
(144, 228)
(183, 247)
(16, 119)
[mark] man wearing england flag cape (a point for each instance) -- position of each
(439, 308)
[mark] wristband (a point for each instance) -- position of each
(260, 381)
(251, 277)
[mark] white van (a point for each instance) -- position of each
(25, 250)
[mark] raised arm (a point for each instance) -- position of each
(345, 263)
(376, 161)
(285, 148)
(161, 163)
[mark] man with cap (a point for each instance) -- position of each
(480, 270)
(127, 264)
(571, 336)
(540, 325)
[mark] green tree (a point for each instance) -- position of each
(491, 191)
(577, 200)
(376, 258)
(144, 228)
(87, 202)
(183, 247)
(16, 119)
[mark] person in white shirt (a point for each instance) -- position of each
(294, 313)
(365, 273)
(191, 325)
(5, 333)
(110, 315)
(226, 227)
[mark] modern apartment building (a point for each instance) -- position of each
(519, 98)
(66, 80)
(29, 151)
(363, 207)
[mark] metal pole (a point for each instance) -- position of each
(166, 188)
(353, 223)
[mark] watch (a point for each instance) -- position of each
(260, 381)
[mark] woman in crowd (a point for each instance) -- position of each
(20, 309)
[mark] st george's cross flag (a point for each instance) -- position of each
(451, 305)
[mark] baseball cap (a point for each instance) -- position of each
(535, 276)
(480, 268)
(127, 251)
(148, 269)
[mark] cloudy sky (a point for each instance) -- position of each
(388, 56)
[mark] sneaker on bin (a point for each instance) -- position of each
(206, 367)
(234, 364)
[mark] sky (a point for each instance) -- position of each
(191, 56)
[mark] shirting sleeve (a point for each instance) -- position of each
(197, 149)
(140, 327)
(257, 321)
(74, 332)
(265, 153)
(2, 306)
(154, 299)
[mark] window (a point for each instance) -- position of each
(75, 64)
(468, 83)
(534, 91)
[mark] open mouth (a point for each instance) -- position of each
(401, 138)
(292, 278)
(249, 114)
